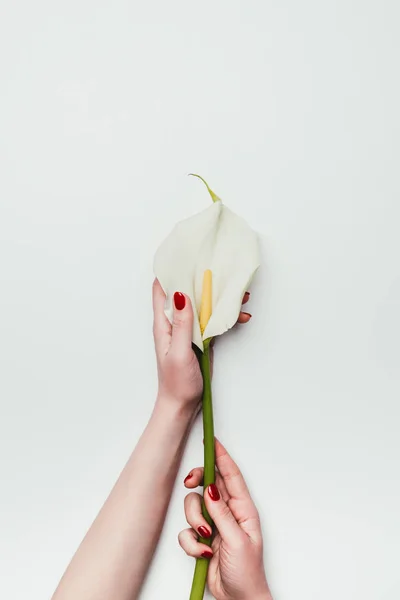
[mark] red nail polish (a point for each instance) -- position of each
(213, 492)
(188, 477)
(179, 300)
(204, 532)
(207, 554)
(248, 314)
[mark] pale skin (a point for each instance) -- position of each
(236, 570)
(113, 558)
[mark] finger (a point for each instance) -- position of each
(244, 317)
(182, 325)
(240, 503)
(231, 474)
(196, 476)
(221, 514)
(194, 517)
(246, 297)
(161, 327)
(188, 541)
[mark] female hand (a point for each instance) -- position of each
(236, 570)
(179, 375)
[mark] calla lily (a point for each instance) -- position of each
(218, 240)
(212, 258)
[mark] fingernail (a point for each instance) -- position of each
(207, 554)
(179, 300)
(248, 314)
(204, 532)
(188, 477)
(246, 294)
(213, 492)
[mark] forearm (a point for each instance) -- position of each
(113, 558)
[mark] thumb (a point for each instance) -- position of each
(182, 323)
(222, 516)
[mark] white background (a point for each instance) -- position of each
(291, 111)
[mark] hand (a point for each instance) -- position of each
(179, 375)
(236, 570)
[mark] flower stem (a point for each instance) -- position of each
(200, 573)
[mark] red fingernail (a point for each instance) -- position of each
(179, 300)
(204, 532)
(248, 314)
(207, 554)
(213, 492)
(246, 294)
(188, 477)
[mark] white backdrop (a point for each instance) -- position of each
(291, 111)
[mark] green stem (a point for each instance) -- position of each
(200, 572)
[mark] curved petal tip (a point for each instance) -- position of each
(214, 196)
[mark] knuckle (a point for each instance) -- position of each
(225, 512)
(192, 501)
(178, 358)
(181, 538)
(254, 516)
(258, 542)
(178, 322)
(233, 474)
(192, 497)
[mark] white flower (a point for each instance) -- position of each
(216, 239)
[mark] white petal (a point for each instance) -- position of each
(215, 239)
(235, 259)
(188, 246)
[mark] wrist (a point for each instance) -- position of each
(173, 407)
(263, 594)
